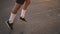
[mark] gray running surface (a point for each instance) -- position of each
(43, 17)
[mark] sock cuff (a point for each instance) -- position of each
(13, 14)
(24, 10)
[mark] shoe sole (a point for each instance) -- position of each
(7, 24)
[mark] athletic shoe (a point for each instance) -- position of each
(9, 25)
(23, 19)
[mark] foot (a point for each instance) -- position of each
(9, 25)
(23, 19)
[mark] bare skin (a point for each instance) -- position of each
(17, 6)
(26, 4)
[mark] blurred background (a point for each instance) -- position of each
(43, 17)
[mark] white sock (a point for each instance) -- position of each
(23, 13)
(11, 19)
